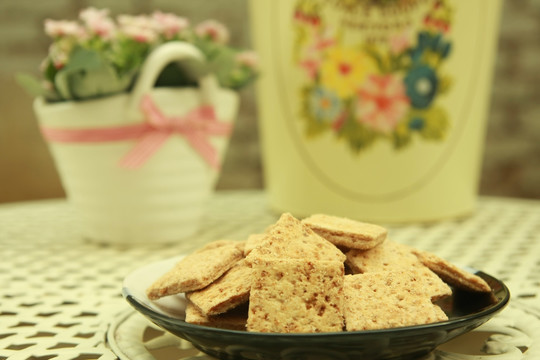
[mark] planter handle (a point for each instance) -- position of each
(157, 61)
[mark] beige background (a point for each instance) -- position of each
(511, 164)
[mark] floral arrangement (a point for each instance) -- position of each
(369, 91)
(97, 55)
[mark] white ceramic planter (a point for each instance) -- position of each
(163, 199)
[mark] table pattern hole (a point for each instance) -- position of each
(87, 357)
(19, 346)
(62, 345)
(86, 314)
(44, 357)
(66, 325)
(41, 334)
(47, 314)
(526, 296)
(28, 305)
(7, 313)
(151, 333)
(65, 303)
(23, 324)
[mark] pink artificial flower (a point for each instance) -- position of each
(98, 22)
(400, 42)
(214, 30)
(139, 28)
(169, 25)
(382, 102)
(59, 54)
(248, 59)
(60, 28)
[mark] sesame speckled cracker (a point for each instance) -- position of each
(345, 232)
(219, 243)
(296, 296)
(386, 256)
(233, 320)
(253, 241)
(227, 292)
(387, 299)
(452, 274)
(289, 238)
(196, 270)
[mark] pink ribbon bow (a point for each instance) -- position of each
(196, 127)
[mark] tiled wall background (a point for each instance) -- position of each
(511, 164)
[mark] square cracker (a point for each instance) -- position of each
(347, 233)
(386, 256)
(227, 292)
(253, 241)
(452, 274)
(224, 242)
(234, 319)
(289, 238)
(388, 299)
(296, 296)
(196, 270)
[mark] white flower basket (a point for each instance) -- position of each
(136, 189)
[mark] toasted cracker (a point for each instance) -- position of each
(392, 256)
(452, 274)
(387, 299)
(227, 292)
(386, 256)
(296, 296)
(433, 285)
(233, 320)
(347, 233)
(196, 271)
(253, 241)
(219, 243)
(289, 238)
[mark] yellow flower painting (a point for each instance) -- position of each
(344, 68)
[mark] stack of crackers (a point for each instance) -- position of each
(321, 274)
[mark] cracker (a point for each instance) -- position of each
(233, 320)
(196, 270)
(433, 285)
(387, 299)
(253, 241)
(347, 233)
(386, 256)
(219, 243)
(452, 274)
(296, 296)
(289, 238)
(227, 292)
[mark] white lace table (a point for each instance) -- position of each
(60, 294)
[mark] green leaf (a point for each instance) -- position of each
(31, 84)
(359, 136)
(89, 75)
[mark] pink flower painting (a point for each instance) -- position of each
(382, 102)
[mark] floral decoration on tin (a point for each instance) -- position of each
(374, 90)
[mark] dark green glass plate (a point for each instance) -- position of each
(465, 311)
